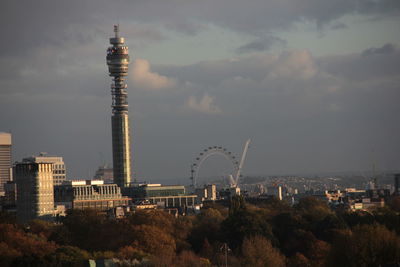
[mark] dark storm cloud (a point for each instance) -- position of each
(339, 26)
(35, 23)
(386, 49)
(34, 26)
(364, 65)
(328, 111)
(261, 44)
(303, 113)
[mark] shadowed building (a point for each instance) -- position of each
(397, 184)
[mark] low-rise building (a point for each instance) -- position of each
(82, 194)
(167, 196)
(208, 192)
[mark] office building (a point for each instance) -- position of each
(59, 170)
(117, 61)
(35, 197)
(104, 173)
(5, 160)
(94, 194)
(165, 196)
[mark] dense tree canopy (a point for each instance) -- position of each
(260, 233)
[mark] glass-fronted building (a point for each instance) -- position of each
(168, 196)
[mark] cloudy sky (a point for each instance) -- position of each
(314, 83)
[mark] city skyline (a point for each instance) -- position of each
(313, 84)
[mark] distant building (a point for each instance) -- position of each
(94, 194)
(165, 196)
(275, 191)
(10, 197)
(211, 190)
(59, 170)
(397, 184)
(366, 204)
(35, 197)
(5, 160)
(330, 196)
(208, 192)
(104, 173)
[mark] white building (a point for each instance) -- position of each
(59, 170)
(211, 190)
(5, 160)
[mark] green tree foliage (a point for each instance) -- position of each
(244, 222)
(365, 245)
(298, 260)
(389, 218)
(326, 228)
(263, 233)
(70, 256)
(188, 258)
(183, 226)
(131, 253)
(206, 225)
(7, 217)
(313, 211)
(156, 218)
(394, 203)
(257, 251)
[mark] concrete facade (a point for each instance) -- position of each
(35, 198)
(59, 169)
(94, 194)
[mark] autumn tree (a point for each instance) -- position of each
(19, 247)
(154, 241)
(244, 222)
(188, 258)
(365, 245)
(257, 251)
(206, 225)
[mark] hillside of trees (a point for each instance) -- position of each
(269, 233)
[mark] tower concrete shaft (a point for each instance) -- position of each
(117, 61)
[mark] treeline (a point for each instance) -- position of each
(269, 233)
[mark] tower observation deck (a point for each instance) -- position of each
(117, 61)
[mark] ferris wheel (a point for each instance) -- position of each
(221, 151)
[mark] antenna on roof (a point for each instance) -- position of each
(116, 30)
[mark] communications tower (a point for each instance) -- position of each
(117, 61)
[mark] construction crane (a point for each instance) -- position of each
(235, 180)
